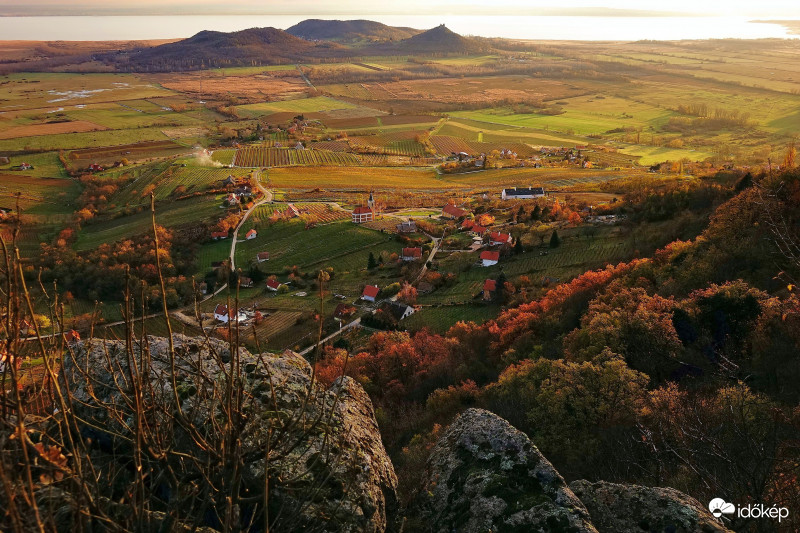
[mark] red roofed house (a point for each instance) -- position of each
(370, 293)
(490, 258)
(273, 285)
(451, 211)
(412, 254)
(94, 167)
(217, 235)
(499, 238)
(362, 214)
(478, 230)
(262, 256)
(489, 286)
(252, 234)
(245, 282)
(223, 314)
(232, 199)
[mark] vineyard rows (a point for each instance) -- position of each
(283, 157)
(333, 146)
(193, 179)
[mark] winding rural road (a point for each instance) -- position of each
(333, 335)
(267, 198)
(436, 243)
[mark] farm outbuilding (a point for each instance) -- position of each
(523, 193)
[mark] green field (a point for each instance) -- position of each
(343, 245)
(440, 319)
(476, 130)
(582, 115)
(305, 105)
(132, 114)
(84, 140)
(655, 154)
(45, 165)
(574, 256)
(167, 215)
(549, 178)
(354, 178)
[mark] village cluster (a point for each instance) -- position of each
(485, 239)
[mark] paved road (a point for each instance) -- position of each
(356, 322)
(305, 78)
(333, 335)
(434, 249)
(267, 198)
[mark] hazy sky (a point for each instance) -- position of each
(785, 9)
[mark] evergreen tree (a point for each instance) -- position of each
(536, 214)
(555, 240)
(256, 274)
(371, 263)
(500, 288)
(518, 249)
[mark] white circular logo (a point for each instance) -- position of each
(718, 507)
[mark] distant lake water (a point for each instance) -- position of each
(106, 28)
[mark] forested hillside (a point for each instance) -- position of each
(675, 370)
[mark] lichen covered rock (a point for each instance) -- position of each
(617, 508)
(484, 475)
(328, 469)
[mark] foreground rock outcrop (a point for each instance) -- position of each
(328, 470)
(484, 475)
(632, 508)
